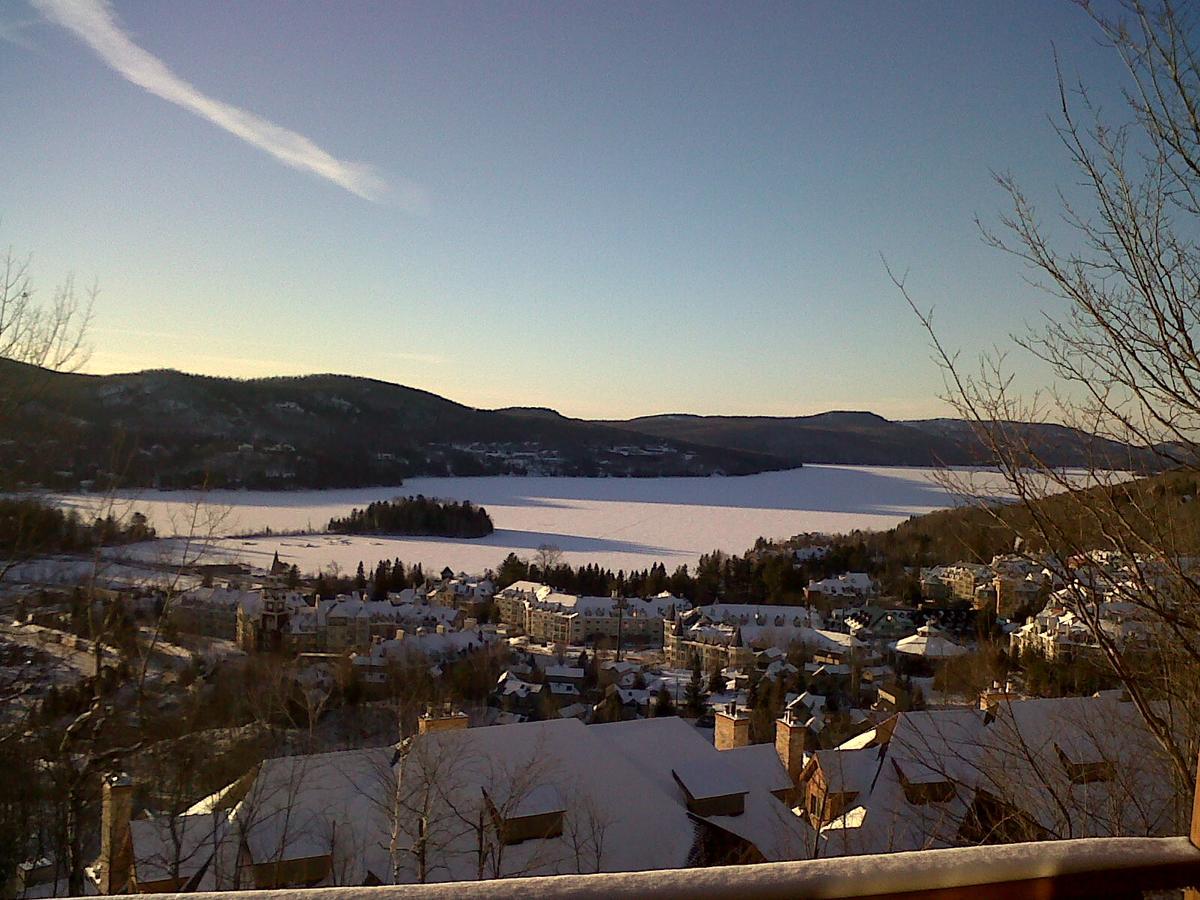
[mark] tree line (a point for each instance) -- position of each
(417, 515)
(30, 526)
(753, 577)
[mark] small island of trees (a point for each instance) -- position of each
(417, 516)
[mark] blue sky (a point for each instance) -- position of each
(610, 209)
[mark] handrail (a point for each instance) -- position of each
(1051, 869)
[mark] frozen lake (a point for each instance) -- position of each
(615, 522)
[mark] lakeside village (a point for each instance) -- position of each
(405, 728)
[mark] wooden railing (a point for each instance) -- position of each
(1100, 867)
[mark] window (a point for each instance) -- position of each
(1085, 765)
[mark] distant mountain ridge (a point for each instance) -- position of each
(865, 438)
(163, 428)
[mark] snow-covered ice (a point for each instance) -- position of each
(625, 523)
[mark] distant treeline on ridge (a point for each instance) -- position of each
(417, 516)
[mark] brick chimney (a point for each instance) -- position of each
(733, 728)
(445, 719)
(791, 740)
(116, 850)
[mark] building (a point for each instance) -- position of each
(263, 617)
(1019, 770)
(1058, 632)
(556, 618)
(212, 612)
(964, 578)
(471, 594)
(384, 661)
(725, 635)
(454, 804)
(839, 589)
(290, 623)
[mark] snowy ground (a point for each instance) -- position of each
(620, 523)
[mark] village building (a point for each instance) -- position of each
(840, 588)
(557, 618)
(471, 594)
(383, 662)
(288, 622)
(540, 797)
(731, 635)
(923, 652)
(964, 578)
(208, 611)
(1018, 770)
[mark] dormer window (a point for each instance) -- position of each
(711, 788)
(922, 784)
(1084, 764)
(537, 814)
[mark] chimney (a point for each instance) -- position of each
(445, 719)
(791, 740)
(116, 851)
(733, 728)
(989, 700)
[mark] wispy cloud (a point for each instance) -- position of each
(94, 22)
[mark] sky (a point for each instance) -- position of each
(611, 209)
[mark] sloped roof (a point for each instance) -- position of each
(647, 827)
(306, 806)
(1022, 764)
(658, 745)
(1020, 753)
(178, 847)
(929, 643)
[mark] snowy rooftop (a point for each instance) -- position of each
(930, 643)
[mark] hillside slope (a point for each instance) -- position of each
(169, 429)
(863, 438)
(1161, 509)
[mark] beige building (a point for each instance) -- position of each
(557, 618)
(726, 635)
(287, 622)
(963, 578)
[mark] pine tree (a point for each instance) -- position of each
(379, 584)
(663, 704)
(360, 577)
(399, 579)
(694, 696)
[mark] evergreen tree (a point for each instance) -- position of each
(663, 704)
(383, 577)
(694, 697)
(399, 578)
(360, 577)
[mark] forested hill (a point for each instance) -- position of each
(168, 429)
(1161, 509)
(863, 438)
